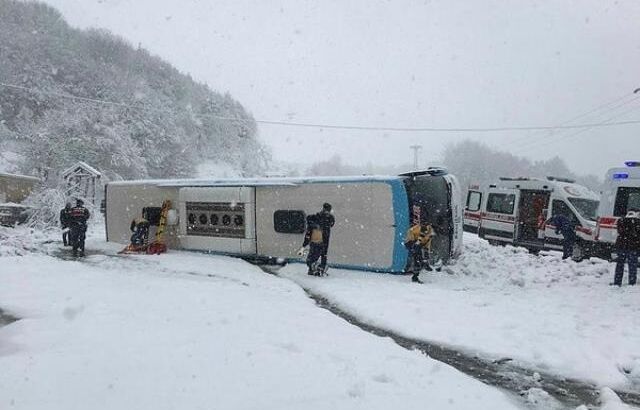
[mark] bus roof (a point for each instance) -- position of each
(239, 182)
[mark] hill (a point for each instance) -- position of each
(135, 116)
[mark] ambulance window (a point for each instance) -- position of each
(501, 203)
(561, 208)
(627, 198)
(473, 200)
(285, 221)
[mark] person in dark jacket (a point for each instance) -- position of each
(313, 238)
(65, 217)
(78, 227)
(567, 227)
(627, 246)
(140, 228)
(326, 221)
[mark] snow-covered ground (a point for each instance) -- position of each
(188, 330)
(558, 316)
(192, 331)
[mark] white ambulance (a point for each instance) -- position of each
(516, 211)
(620, 194)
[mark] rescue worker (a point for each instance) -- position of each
(78, 227)
(567, 227)
(418, 239)
(65, 216)
(140, 228)
(627, 247)
(314, 238)
(326, 220)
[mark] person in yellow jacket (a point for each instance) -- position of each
(419, 239)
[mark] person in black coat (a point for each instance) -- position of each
(627, 247)
(65, 218)
(78, 227)
(314, 239)
(567, 227)
(326, 221)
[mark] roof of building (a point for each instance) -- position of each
(17, 176)
(84, 166)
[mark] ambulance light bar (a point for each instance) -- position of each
(632, 163)
(620, 175)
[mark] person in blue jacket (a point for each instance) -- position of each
(567, 227)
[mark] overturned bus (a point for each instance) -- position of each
(265, 218)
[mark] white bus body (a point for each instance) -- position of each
(265, 218)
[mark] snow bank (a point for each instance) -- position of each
(192, 331)
(504, 266)
(556, 316)
(20, 241)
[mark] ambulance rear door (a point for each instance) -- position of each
(499, 215)
(472, 209)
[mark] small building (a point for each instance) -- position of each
(15, 188)
(83, 181)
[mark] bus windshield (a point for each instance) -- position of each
(429, 196)
(587, 208)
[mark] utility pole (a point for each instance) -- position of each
(415, 149)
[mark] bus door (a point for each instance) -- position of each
(499, 215)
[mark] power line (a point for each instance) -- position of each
(608, 106)
(337, 126)
(537, 144)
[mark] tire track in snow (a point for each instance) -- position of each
(498, 373)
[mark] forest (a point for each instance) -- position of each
(68, 94)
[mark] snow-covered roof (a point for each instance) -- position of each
(84, 166)
(236, 182)
(35, 179)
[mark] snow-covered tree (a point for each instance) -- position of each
(153, 121)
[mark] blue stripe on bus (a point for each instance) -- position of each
(400, 202)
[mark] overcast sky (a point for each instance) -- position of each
(404, 64)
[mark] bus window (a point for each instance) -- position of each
(473, 201)
(626, 198)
